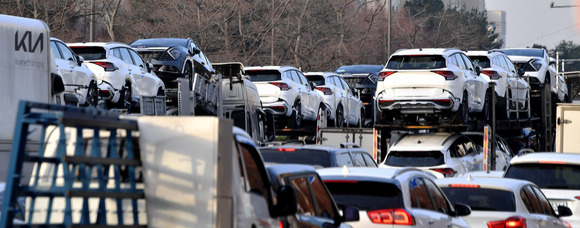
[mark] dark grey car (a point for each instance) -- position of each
(318, 156)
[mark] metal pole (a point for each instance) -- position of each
(493, 101)
(389, 30)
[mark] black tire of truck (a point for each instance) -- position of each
(463, 110)
(92, 98)
(295, 119)
(127, 97)
(188, 73)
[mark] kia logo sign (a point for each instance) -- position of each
(25, 42)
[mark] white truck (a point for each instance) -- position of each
(99, 169)
(27, 72)
(567, 125)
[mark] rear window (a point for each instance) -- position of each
(482, 199)
(90, 53)
(482, 61)
(319, 80)
(524, 52)
(547, 176)
(366, 195)
(359, 69)
(415, 158)
(264, 75)
(416, 62)
(298, 156)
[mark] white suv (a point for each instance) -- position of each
(122, 73)
(405, 197)
(430, 85)
(286, 92)
(510, 88)
(344, 106)
(76, 76)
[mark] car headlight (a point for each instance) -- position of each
(537, 65)
(174, 53)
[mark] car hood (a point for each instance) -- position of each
(521, 59)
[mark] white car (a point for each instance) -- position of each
(76, 76)
(502, 202)
(557, 174)
(504, 153)
(447, 154)
(393, 197)
(122, 73)
(286, 92)
(537, 65)
(510, 88)
(344, 106)
(431, 85)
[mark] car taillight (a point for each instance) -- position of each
(577, 197)
(283, 86)
(511, 222)
(391, 216)
(107, 65)
(567, 224)
(493, 75)
(385, 74)
(443, 102)
(464, 185)
(286, 149)
(447, 74)
(447, 172)
(325, 90)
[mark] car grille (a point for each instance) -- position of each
(157, 55)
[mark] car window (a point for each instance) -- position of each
(509, 64)
(324, 202)
(409, 62)
(359, 161)
(264, 75)
(117, 53)
(90, 53)
(366, 195)
(460, 62)
(551, 176)
(482, 61)
(126, 56)
(467, 62)
(369, 160)
(303, 195)
(65, 52)
(318, 79)
(55, 50)
(255, 176)
(303, 79)
(344, 85)
(296, 156)
(419, 195)
(293, 76)
(546, 206)
(532, 199)
(470, 147)
(415, 158)
(343, 159)
(458, 149)
(482, 199)
(138, 61)
(441, 204)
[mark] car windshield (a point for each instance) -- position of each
(482, 61)
(365, 195)
(415, 158)
(296, 156)
(318, 79)
(416, 62)
(482, 199)
(359, 69)
(547, 176)
(264, 75)
(524, 52)
(90, 53)
(161, 42)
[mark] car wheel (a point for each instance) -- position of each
(295, 120)
(463, 111)
(160, 92)
(339, 119)
(486, 111)
(502, 106)
(322, 119)
(92, 98)
(188, 73)
(362, 119)
(127, 101)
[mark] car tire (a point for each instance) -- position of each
(485, 114)
(295, 120)
(92, 98)
(362, 119)
(463, 111)
(339, 118)
(502, 106)
(127, 97)
(188, 73)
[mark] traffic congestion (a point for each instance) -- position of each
(151, 133)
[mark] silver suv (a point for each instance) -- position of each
(286, 92)
(430, 85)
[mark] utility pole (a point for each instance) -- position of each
(389, 29)
(92, 22)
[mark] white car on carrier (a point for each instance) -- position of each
(431, 85)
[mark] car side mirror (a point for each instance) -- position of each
(478, 70)
(149, 67)
(462, 209)
(312, 85)
(521, 72)
(80, 60)
(287, 204)
(350, 213)
(564, 211)
(195, 51)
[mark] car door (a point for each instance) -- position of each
(145, 83)
(474, 155)
(423, 206)
(312, 99)
(62, 64)
(300, 89)
(463, 78)
(73, 73)
(353, 103)
(343, 159)
(314, 202)
(553, 221)
(479, 84)
(537, 216)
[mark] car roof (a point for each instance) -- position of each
(323, 74)
(318, 147)
(278, 68)
(423, 142)
(282, 169)
(513, 185)
(98, 44)
(363, 173)
(427, 51)
(547, 157)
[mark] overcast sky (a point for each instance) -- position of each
(533, 21)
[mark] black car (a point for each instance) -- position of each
(173, 58)
(364, 79)
(318, 156)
